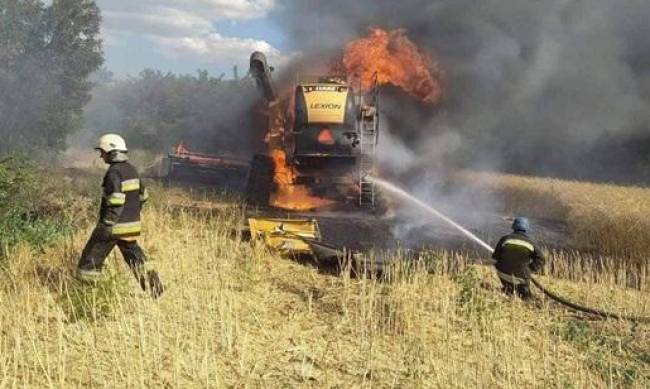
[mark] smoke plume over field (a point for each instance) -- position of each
(551, 87)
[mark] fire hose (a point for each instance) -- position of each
(577, 307)
(581, 308)
(591, 311)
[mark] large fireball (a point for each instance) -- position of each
(396, 61)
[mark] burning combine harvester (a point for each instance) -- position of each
(322, 133)
(320, 149)
(321, 136)
(322, 140)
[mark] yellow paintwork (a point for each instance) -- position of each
(326, 103)
(280, 234)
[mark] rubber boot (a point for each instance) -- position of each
(149, 280)
(156, 288)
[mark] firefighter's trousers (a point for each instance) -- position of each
(520, 290)
(100, 245)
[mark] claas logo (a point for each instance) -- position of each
(324, 88)
(325, 106)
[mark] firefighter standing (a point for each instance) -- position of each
(517, 257)
(119, 219)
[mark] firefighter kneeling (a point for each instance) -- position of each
(119, 219)
(516, 257)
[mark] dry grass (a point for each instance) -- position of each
(604, 219)
(235, 315)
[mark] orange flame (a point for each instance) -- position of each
(284, 174)
(288, 195)
(396, 61)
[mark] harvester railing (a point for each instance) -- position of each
(368, 129)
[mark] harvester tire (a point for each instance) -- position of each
(260, 181)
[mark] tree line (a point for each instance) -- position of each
(157, 110)
(47, 53)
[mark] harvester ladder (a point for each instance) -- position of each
(368, 135)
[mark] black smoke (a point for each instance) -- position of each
(551, 87)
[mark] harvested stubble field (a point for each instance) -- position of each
(237, 315)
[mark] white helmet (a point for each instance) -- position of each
(111, 142)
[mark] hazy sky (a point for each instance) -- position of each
(186, 35)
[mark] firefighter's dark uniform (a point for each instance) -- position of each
(516, 257)
(119, 223)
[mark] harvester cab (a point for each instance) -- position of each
(324, 119)
(328, 141)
